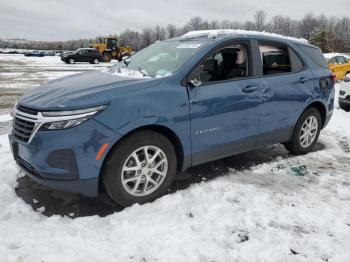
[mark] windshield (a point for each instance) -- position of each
(158, 60)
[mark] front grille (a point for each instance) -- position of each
(24, 122)
(27, 110)
(22, 129)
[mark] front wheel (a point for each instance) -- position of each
(345, 107)
(107, 57)
(140, 168)
(71, 61)
(306, 132)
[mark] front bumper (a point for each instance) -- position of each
(65, 159)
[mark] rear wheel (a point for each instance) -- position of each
(140, 168)
(95, 61)
(306, 132)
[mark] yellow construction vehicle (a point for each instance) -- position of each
(110, 49)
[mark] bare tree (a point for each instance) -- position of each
(307, 24)
(148, 36)
(282, 25)
(249, 25)
(214, 24)
(159, 33)
(260, 19)
(195, 23)
(225, 24)
(171, 31)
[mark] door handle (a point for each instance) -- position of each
(250, 89)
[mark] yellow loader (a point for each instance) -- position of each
(110, 49)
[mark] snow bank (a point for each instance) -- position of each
(331, 55)
(5, 118)
(215, 33)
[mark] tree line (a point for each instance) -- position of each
(331, 34)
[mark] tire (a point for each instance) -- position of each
(107, 57)
(345, 107)
(295, 145)
(95, 61)
(115, 178)
(71, 61)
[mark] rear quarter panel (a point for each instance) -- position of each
(326, 97)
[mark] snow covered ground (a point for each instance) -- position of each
(286, 209)
(18, 74)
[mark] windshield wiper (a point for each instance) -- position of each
(143, 72)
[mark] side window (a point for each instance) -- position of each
(332, 61)
(341, 60)
(297, 64)
(230, 62)
(275, 59)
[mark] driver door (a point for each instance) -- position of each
(83, 56)
(224, 101)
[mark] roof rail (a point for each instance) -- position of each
(220, 32)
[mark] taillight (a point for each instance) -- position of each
(334, 78)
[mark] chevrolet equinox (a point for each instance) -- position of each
(129, 129)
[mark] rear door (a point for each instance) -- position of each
(224, 101)
(286, 86)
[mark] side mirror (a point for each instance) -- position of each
(195, 82)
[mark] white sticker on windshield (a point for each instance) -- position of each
(188, 45)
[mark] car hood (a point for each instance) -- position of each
(82, 90)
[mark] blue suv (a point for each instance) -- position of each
(131, 128)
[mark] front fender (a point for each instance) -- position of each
(165, 105)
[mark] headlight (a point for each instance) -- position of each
(63, 124)
(54, 120)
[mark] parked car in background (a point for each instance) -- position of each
(339, 64)
(90, 55)
(49, 53)
(344, 94)
(35, 53)
(175, 104)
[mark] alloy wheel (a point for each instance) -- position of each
(144, 170)
(308, 131)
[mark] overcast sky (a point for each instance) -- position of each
(72, 19)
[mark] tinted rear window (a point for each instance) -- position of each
(315, 54)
